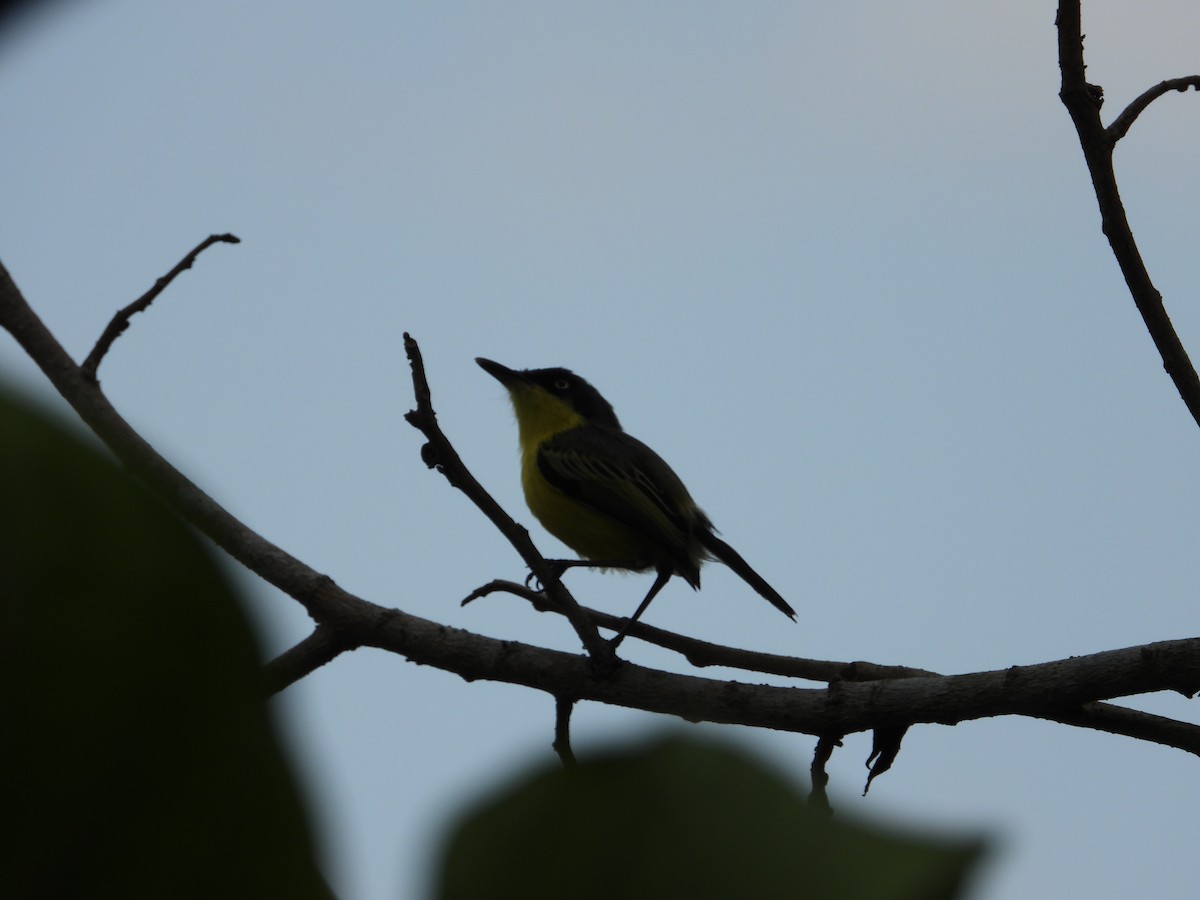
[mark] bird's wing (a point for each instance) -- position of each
(621, 477)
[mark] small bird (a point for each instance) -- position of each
(605, 494)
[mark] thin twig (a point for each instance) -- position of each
(318, 594)
(885, 747)
(1134, 723)
(703, 653)
(563, 707)
(440, 454)
(537, 599)
(121, 320)
(1121, 124)
(820, 777)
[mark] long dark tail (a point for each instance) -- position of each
(733, 559)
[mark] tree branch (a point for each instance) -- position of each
(322, 646)
(440, 454)
(1062, 689)
(1132, 723)
(1083, 102)
(1046, 690)
(316, 592)
(1100, 716)
(1121, 124)
(121, 320)
(563, 707)
(703, 653)
(818, 796)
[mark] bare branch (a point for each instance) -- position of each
(1063, 689)
(885, 747)
(818, 796)
(316, 592)
(1045, 690)
(1132, 723)
(563, 708)
(121, 320)
(703, 653)
(320, 647)
(1083, 101)
(537, 599)
(439, 453)
(1099, 716)
(1121, 124)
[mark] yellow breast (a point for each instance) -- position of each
(591, 534)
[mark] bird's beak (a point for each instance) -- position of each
(502, 374)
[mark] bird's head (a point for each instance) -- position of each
(548, 401)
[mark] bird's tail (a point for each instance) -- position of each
(733, 559)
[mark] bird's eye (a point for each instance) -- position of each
(561, 384)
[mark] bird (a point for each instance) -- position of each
(604, 493)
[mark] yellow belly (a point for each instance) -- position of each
(591, 534)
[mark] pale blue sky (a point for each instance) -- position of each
(840, 264)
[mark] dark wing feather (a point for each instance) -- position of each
(621, 477)
(624, 479)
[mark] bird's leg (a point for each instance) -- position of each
(664, 575)
(557, 567)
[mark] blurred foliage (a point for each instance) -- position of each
(138, 759)
(684, 819)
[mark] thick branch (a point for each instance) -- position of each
(1045, 690)
(1083, 101)
(1099, 716)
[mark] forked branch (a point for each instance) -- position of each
(1083, 102)
(1066, 690)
